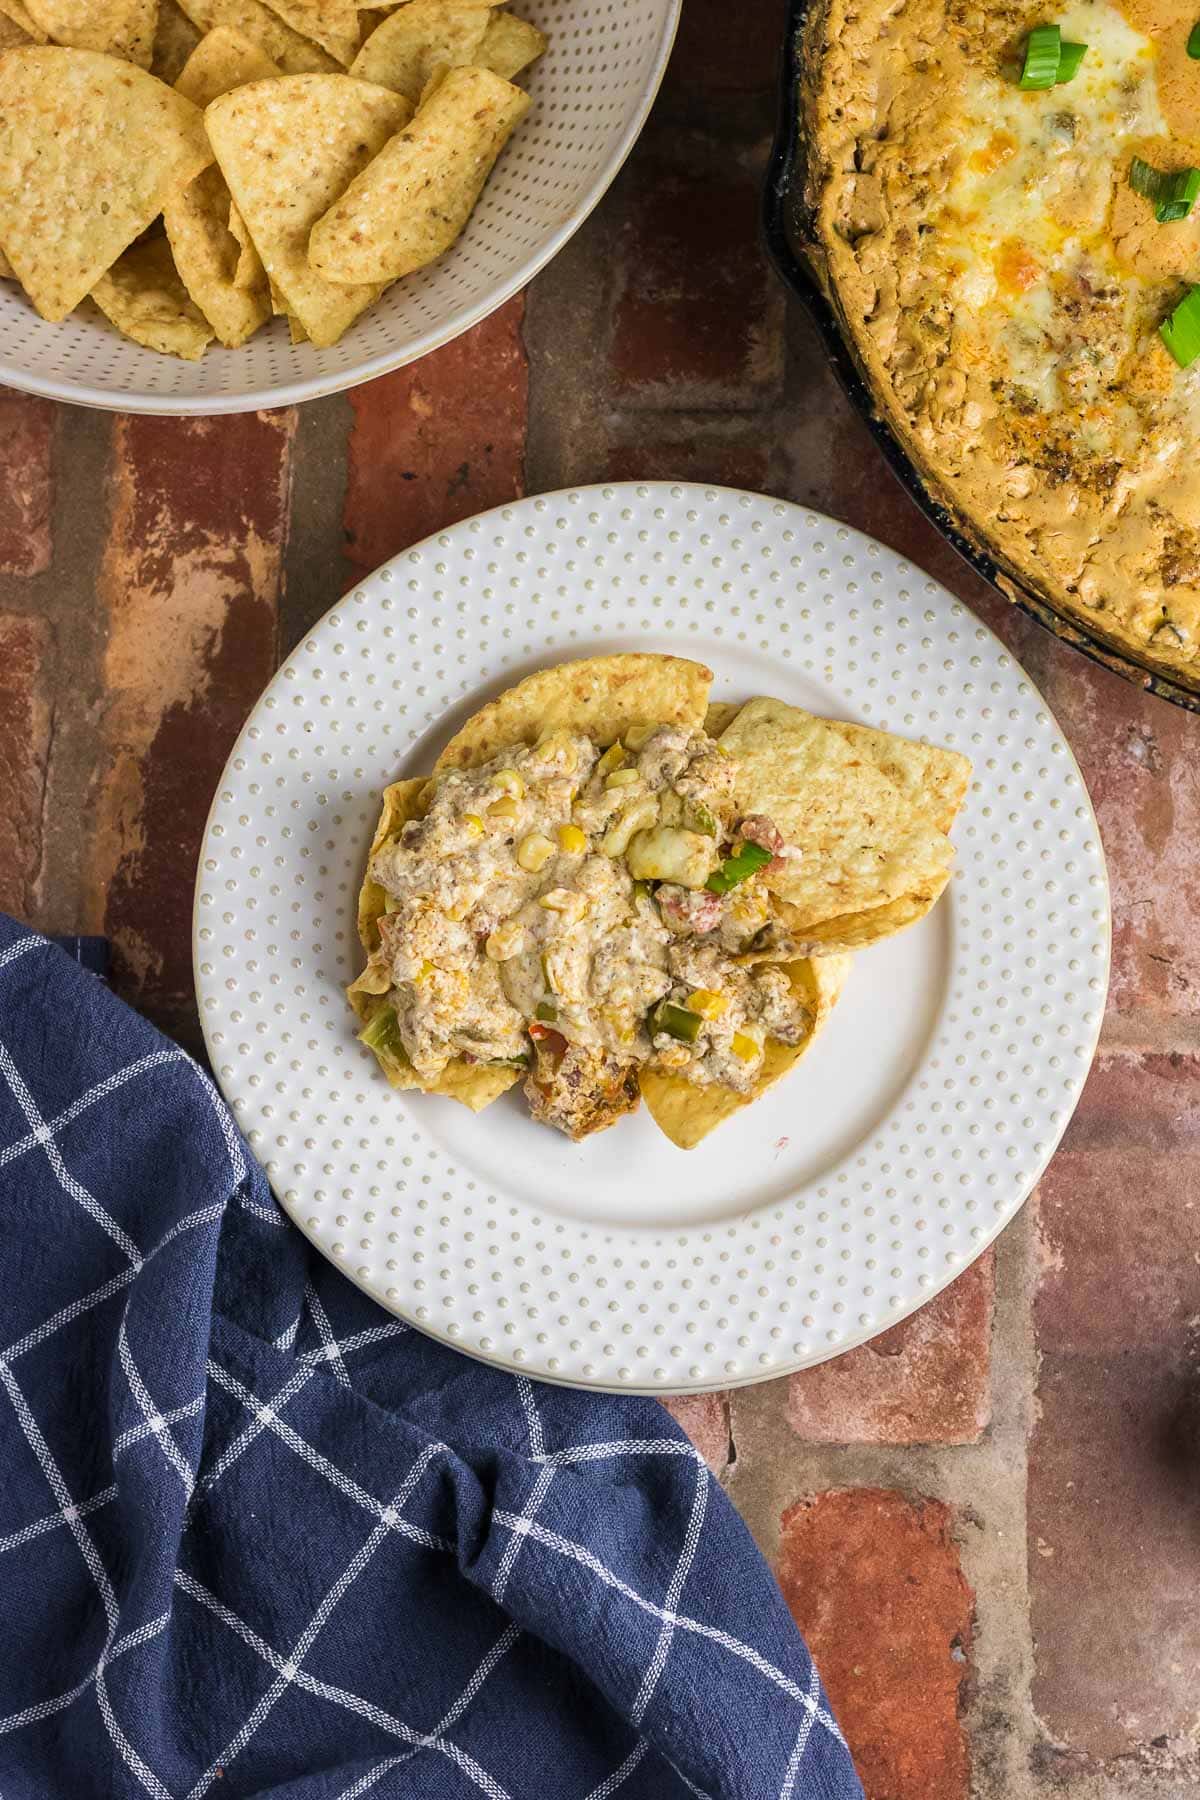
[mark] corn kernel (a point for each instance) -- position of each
(511, 782)
(474, 824)
(563, 900)
(424, 972)
(612, 759)
(534, 852)
(507, 940)
(624, 1030)
(504, 808)
(571, 841)
(706, 1003)
(744, 1047)
(638, 736)
(621, 778)
(559, 743)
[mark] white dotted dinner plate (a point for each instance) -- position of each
(859, 1186)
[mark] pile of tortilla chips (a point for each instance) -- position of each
(195, 168)
(864, 817)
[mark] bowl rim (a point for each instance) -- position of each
(783, 170)
(318, 387)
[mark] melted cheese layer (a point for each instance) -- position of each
(1005, 285)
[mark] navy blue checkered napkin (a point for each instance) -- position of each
(258, 1538)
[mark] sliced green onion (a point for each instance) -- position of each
(1070, 57)
(1145, 179)
(737, 868)
(1180, 196)
(1043, 52)
(382, 1033)
(1193, 43)
(676, 1021)
(1181, 332)
(547, 1012)
(1173, 193)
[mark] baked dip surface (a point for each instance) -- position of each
(1004, 285)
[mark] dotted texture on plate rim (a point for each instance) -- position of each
(590, 90)
(777, 599)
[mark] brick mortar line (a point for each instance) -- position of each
(65, 596)
(1140, 1032)
(315, 571)
(566, 333)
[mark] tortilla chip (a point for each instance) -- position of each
(223, 60)
(90, 149)
(81, 24)
(686, 1112)
(720, 716)
(296, 331)
(331, 23)
(509, 45)
(860, 837)
(294, 53)
(935, 779)
(474, 1085)
(135, 40)
(369, 20)
(221, 270)
(401, 802)
(18, 26)
(602, 695)
(207, 256)
(419, 37)
(855, 931)
(219, 265)
(439, 74)
(406, 209)
(144, 298)
(123, 28)
(249, 272)
(175, 38)
(6, 268)
(288, 149)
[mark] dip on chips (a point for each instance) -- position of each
(593, 894)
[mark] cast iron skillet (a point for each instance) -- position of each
(784, 228)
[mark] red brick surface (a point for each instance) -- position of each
(698, 318)
(660, 347)
(705, 1418)
(1114, 1545)
(25, 718)
(438, 441)
(26, 435)
(190, 584)
(926, 1381)
(874, 1582)
(1139, 760)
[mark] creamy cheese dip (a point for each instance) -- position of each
(555, 908)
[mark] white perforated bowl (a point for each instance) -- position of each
(851, 1192)
(591, 93)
